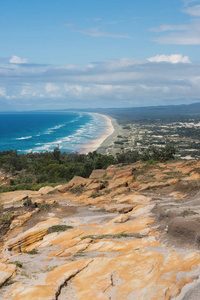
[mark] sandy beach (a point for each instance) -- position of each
(96, 143)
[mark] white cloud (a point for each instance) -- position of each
(174, 58)
(2, 92)
(125, 81)
(164, 28)
(51, 87)
(96, 32)
(181, 34)
(17, 60)
(193, 11)
(189, 35)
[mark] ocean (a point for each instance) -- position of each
(36, 132)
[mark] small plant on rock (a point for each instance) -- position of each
(32, 252)
(18, 264)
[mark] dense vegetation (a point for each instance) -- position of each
(34, 170)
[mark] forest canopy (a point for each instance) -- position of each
(34, 170)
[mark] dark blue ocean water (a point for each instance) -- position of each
(28, 132)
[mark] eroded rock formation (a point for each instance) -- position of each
(128, 232)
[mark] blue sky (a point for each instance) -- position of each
(114, 53)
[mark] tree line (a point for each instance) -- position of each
(36, 169)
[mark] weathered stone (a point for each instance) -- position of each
(6, 271)
(46, 190)
(31, 236)
(95, 186)
(126, 261)
(98, 174)
(120, 208)
(76, 181)
(121, 219)
(19, 221)
(194, 176)
(119, 182)
(20, 198)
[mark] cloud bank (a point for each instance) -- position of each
(162, 79)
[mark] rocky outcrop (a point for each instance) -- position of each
(6, 272)
(30, 237)
(133, 236)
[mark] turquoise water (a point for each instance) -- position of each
(38, 132)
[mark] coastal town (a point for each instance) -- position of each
(184, 136)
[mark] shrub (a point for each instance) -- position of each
(18, 264)
(6, 218)
(32, 252)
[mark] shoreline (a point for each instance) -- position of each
(95, 144)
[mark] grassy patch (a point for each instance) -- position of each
(77, 190)
(17, 263)
(188, 212)
(33, 252)
(120, 235)
(58, 228)
(8, 282)
(95, 195)
(23, 273)
(44, 206)
(107, 191)
(6, 218)
(49, 269)
(114, 236)
(77, 255)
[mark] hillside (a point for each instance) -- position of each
(128, 232)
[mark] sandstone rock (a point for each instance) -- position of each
(186, 169)
(172, 181)
(157, 184)
(194, 176)
(119, 182)
(6, 271)
(17, 288)
(16, 196)
(54, 281)
(31, 236)
(19, 221)
(39, 292)
(134, 185)
(132, 266)
(122, 174)
(177, 195)
(41, 200)
(76, 181)
(95, 186)
(46, 190)
(98, 174)
(51, 201)
(159, 176)
(121, 190)
(132, 198)
(20, 198)
(120, 208)
(120, 219)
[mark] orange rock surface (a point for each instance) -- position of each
(115, 253)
